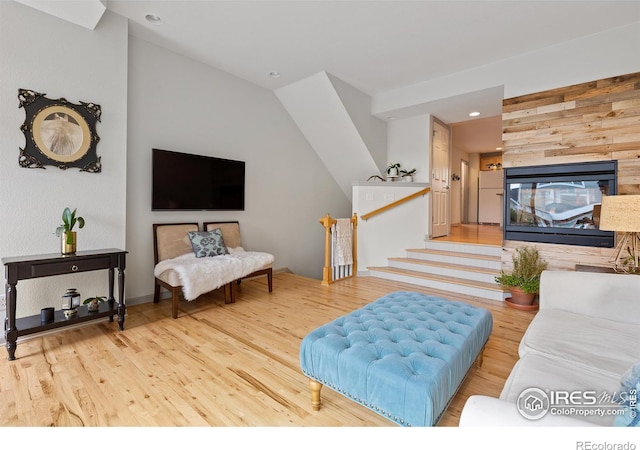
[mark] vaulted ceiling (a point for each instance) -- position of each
(375, 46)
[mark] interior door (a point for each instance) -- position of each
(440, 157)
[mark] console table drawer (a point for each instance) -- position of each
(43, 270)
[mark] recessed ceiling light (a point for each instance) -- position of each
(153, 18)
(498, 148)
(274, 74)
(474, 114)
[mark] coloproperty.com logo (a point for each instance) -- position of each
(534, 403)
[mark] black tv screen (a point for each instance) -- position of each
(185, 182)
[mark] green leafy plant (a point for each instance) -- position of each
(406, 173)
(69, 220)
(527, 268)
(98, 299)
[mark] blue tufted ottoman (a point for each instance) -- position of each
(402, 356)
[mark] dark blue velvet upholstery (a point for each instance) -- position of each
(403, 355)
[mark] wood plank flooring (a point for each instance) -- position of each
(217, 364)
(474, 234)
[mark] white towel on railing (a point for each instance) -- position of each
(343, 255)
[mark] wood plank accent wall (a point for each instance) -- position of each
(594, 121)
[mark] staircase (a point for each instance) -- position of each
(463, 268)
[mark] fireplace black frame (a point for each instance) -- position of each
(589, 171)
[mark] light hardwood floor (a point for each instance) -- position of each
(217, 364)
(474, 234)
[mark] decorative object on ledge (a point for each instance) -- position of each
(407, 175)
(375, 177)
(47, 314)
(65, 231)
(71, 300)
(59, 133)
(621, 213)
(494, 166)
(392, 170)
(93, 303)
(455, 177)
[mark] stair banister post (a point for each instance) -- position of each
(327, 222)
(354, 220)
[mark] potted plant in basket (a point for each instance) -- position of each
(524, 281)
(69, 221)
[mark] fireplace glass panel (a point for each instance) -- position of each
(558, 203)
(564, 204)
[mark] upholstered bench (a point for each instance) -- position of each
(179, 270)
(402, 356)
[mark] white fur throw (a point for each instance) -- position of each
(201, 275)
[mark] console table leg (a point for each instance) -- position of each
(110, 299)
(121, 308)
(12, 339)
(10, 330)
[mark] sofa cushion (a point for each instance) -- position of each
(604, 345)
(208, 243)
(551, 374)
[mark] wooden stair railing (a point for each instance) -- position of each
(392, 205)
(329, 272)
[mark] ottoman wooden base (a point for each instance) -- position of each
(402, 356)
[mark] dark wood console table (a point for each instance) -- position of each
(37, 266)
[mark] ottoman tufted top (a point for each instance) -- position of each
(403, 355)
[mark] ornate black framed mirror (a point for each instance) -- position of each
(59, 133)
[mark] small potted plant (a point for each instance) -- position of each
(407, 175)
(93, 303)
(392, 170)
(65, 231)
(524, 281)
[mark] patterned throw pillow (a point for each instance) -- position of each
(208, 243)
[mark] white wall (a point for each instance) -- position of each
(409, 142)
(176, 103)
(55, 57)
(316, 108)
(390, 233)
(372, 130)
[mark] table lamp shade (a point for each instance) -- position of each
(620, 213)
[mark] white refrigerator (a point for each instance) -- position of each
(490, 197)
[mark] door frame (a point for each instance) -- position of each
(464, 191)
(434, 120)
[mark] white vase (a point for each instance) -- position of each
(408, 178)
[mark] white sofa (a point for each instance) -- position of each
(583, 339)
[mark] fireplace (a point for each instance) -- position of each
(558, 204)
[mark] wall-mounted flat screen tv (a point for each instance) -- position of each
(186, 182)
